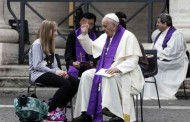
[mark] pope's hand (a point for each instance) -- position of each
(84, 26)
(111, 71)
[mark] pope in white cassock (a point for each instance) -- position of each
(119, 53)
(172, 60)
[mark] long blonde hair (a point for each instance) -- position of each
(46, 35)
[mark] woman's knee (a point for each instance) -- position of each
(65, 83)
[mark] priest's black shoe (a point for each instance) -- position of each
(116, 119)
(106, 112)
(83, 118)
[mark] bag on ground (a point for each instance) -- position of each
(30, 109)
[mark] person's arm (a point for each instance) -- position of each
(126, 66)
(37, 58)
(70, 49)
(91, 47)
(130, 50)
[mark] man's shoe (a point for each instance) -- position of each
(116, 119)
(83, 118)
(106, 112)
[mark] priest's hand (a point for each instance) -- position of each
(112, 71)
(76, 64)
(84, 26)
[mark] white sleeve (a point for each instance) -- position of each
(129, 64)
(92, 47)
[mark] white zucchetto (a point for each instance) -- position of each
(112, 16)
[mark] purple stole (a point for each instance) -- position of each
(95, 101)
(167, 38)
(80, 53)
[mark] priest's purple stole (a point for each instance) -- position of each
(95, 107)
(80, 53)
(167, 37)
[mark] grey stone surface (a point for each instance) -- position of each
(8, 53)
(179, 10)
(170, 111)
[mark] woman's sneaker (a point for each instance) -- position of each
(57, 116)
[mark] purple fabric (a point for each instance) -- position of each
(95, 107)
(167, 38)
(80, 53)
(79, 49)
(73, 71)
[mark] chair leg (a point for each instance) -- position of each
(141, 105)
(28, 91)
(142, 95)
(157, 92)
(35, 89)
(70, 106)
(71, 102)
(184, 88)
(136, 108)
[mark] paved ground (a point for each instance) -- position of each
(170, 111)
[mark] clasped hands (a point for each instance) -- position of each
(62, 74)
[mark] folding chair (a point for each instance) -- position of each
(152, 70)
(35, 85)
(187, 75)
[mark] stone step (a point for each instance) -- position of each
(14, 70)
(15, 75)
(40, 91)
(19, 82)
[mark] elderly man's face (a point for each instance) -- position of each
(108, 26)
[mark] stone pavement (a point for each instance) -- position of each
(170, 111)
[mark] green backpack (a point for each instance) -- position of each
(30, 109)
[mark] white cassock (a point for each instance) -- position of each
(117, 90)
(170, 73)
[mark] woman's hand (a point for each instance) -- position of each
(59, 72)
(62, 74)
(65, 75)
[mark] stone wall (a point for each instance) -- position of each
(57, 11)
(179, 10)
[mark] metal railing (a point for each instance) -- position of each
(86, 4)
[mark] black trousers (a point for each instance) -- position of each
(67, 88)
